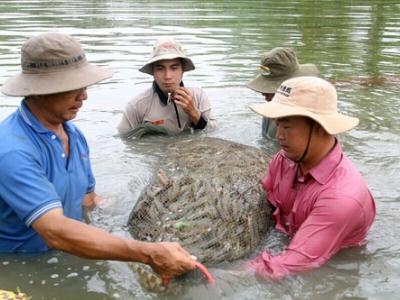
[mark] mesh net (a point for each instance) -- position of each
(209, 199)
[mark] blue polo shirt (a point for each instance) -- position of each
(36, 176)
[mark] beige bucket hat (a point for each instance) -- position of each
(167, 48)
(53, 63)
(311, 97)
(278, 65)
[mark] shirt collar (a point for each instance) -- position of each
(29, 118)
(323, 171)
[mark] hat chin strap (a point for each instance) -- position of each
(308, 144)
(303, 156)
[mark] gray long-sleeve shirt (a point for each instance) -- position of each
(146, 107)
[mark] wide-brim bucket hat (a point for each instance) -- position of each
(278, 65)
(311, 97)
(166, 49)
(53, 63)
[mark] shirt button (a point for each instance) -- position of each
(53, 137)
(63, 155)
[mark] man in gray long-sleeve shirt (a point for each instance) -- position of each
(168, 103)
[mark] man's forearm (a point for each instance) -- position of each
(87, 241)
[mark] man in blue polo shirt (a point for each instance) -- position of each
(39, 174)
(45, 170)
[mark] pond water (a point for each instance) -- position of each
(356, 44)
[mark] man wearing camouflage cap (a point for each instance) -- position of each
(168, 104)
(276, 66)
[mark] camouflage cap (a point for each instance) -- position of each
(278, 65)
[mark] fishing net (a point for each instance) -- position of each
(209, 199)
(146, 129)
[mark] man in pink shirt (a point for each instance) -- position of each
(320, 198)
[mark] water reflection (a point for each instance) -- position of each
(347, 40)
(41, 276)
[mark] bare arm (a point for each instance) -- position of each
(77, 238)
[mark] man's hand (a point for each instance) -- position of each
(184, 98)
(169, 259)
(91, 201)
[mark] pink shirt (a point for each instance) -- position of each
(328, 209)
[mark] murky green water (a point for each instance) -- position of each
(355, 44)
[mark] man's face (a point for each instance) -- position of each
(292, 134)
(62, 107)
(168, 74)
(268, 96)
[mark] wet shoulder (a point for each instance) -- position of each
(347, 187)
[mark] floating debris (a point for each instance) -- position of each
(11, 295)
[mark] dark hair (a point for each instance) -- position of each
(183, 62)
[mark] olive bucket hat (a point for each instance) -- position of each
(278, 65)
(53, 63)
(311, 97)
(167, 48)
